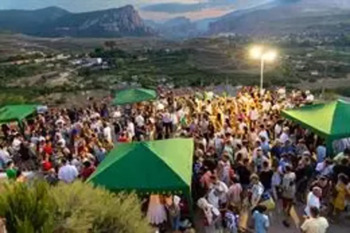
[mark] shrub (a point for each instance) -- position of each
(27, 209)
(74, 208)
(83, 208)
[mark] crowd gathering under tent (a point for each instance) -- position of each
(228, 156)
(130, 96)
(328, 120)
(16, 113)
(154, 167)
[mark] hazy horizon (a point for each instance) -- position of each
(157, 10)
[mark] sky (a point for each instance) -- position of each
(158, 10)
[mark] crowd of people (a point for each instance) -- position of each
(248, 159)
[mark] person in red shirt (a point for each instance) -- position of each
(123, 138)
(87, 170)
(46, 164)
(48, 147)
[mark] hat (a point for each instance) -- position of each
(85, 160)
(60, 121)
(254, 176)
(177, 200)
(306, 153)
(219, 188)
(203, 203)
(61, 142)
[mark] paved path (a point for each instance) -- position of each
(277, 217)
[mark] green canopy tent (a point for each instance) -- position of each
(161, 167)
(130, 96)
(329, 120)
(17, 113)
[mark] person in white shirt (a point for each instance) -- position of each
(107, 132)
(257, 189)
(67, 173)
(117, 114)
(214, 198)
(263, 133)
(266, 106)
(285, 135)
(278, 129)
(313, 200)
(130, 129)
(309, 97)
(218, 193)
(96, 125)
(4, 157)
(16, 143)
(315, 224)
(254, 114)
(140, 121)
(159, 106)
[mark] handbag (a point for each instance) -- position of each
(269, 204)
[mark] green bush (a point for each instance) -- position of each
(74, 208)
(27, 209)
(83, 208)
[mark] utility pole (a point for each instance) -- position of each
(325, 76)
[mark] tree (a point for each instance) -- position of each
(110, 44)
(74, 208)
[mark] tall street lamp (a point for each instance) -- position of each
(264, 55)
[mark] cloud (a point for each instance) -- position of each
(71, 5)
(180, 7)
(194, 15)
(174, 7)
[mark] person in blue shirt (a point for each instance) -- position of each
(265, 146)
(277, 149)
(261, 220)
(288, 148)
(284, 161)
(232, 219)
(321, 153)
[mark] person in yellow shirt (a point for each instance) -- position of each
(341, 194)
(315, 224)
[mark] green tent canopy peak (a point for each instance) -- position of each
(147, 167)
(10, 113)
(329, 120)
(134, 95)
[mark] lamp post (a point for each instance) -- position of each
(264, 55)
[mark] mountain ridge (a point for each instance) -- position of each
(281, 17)
(57, 22)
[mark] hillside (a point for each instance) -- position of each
(56, 22)
(287, 16)
(28, 22)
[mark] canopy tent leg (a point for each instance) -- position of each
(329, 147)
(190, 203)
